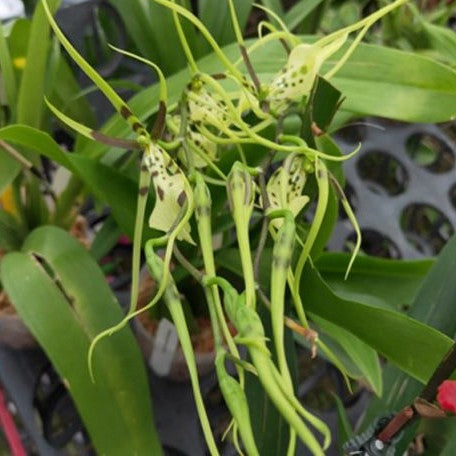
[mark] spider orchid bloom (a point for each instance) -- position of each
(297, 77)
(202, 149)
(171, 190)
(285, 186)
(205, 108)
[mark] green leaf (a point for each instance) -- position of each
(413, 346)
(442, 39)
(152, 29)
(63, 95)
(344, 429)
(299, 11)
(389, 284)
(11, 232)
(36, 140)
(361, 355)
(135, 15)
(216, 17)
(9, 168)
(31, 91)
(63, 298)
(398, 85)
(275, 6)
(433, 305)
(8, 76)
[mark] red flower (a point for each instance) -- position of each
(447, 396)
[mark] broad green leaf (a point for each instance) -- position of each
(398, 85)
(364, 357)
(389, 284)
(36, 140)
(64, 316)
(433, 305)
(413, 346)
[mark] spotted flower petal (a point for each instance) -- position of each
(297, 77)
(205, 108)
(171, 189)
(205, 146)
(285, 186)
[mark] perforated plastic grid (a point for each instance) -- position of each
(402, 186)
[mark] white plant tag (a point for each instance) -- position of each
(165, 346)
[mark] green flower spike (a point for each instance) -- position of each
(251, 334)
(241, 190)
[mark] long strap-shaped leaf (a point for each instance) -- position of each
(6, 66)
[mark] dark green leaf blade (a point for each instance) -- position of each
(116, 409)
(390, 284)
(434, 305)
(415, 347)
(31, 91)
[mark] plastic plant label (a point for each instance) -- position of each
(165, 346)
